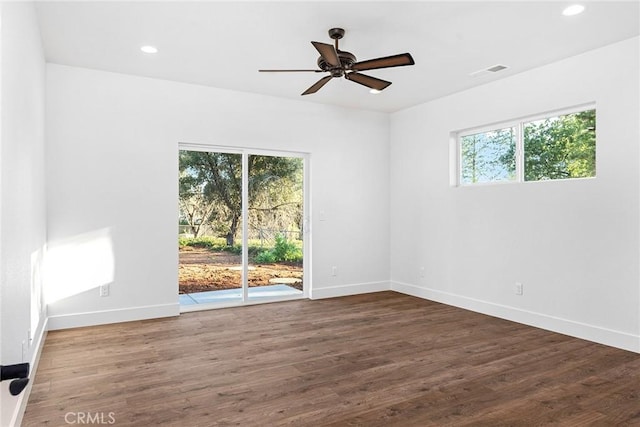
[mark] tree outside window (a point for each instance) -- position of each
(555, 147)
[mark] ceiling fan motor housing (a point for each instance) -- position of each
(347, 59)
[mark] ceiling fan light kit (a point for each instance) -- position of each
(339, 63)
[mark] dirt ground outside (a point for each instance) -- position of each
(202, 270)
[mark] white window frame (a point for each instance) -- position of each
(518, 125)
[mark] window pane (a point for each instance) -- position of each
(488, 156)
(560, 147)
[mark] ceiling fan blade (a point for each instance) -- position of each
(317, 85)
(368, 81)
(386, 62)
(328, 52)
(290, 71)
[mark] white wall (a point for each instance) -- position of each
(22, 202)
(111, 168)
(573, 244)
(111, 175)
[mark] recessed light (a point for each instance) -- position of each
(149, 49)
(574, 9)
(375, 91)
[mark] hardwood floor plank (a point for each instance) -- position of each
(382, 359)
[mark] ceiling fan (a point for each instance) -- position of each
(339, 63)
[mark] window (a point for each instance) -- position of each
(488, 156)
(558, 146)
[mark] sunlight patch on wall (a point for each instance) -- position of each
(78, 264)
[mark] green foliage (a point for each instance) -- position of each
(210, 192)
(283, 250)
(265, 257)
(212, 243)
(219, 244)
(554, 148)
(560, 147)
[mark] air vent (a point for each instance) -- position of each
(496, 68)
(493, 69)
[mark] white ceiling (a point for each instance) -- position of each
(223, 44)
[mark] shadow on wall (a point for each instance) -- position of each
(37, 296)
(77, 264)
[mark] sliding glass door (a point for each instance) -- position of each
(241, 227)
(210, 227)
(275, 226)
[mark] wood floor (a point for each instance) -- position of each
(381, 359)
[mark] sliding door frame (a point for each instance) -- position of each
(245, 152)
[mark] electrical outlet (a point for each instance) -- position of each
(518, 288)
(104, 290)
(334, 271)
(421, 273)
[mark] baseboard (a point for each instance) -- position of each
(345, 290)
(23, 398)
(77, 320)
(572, 328)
